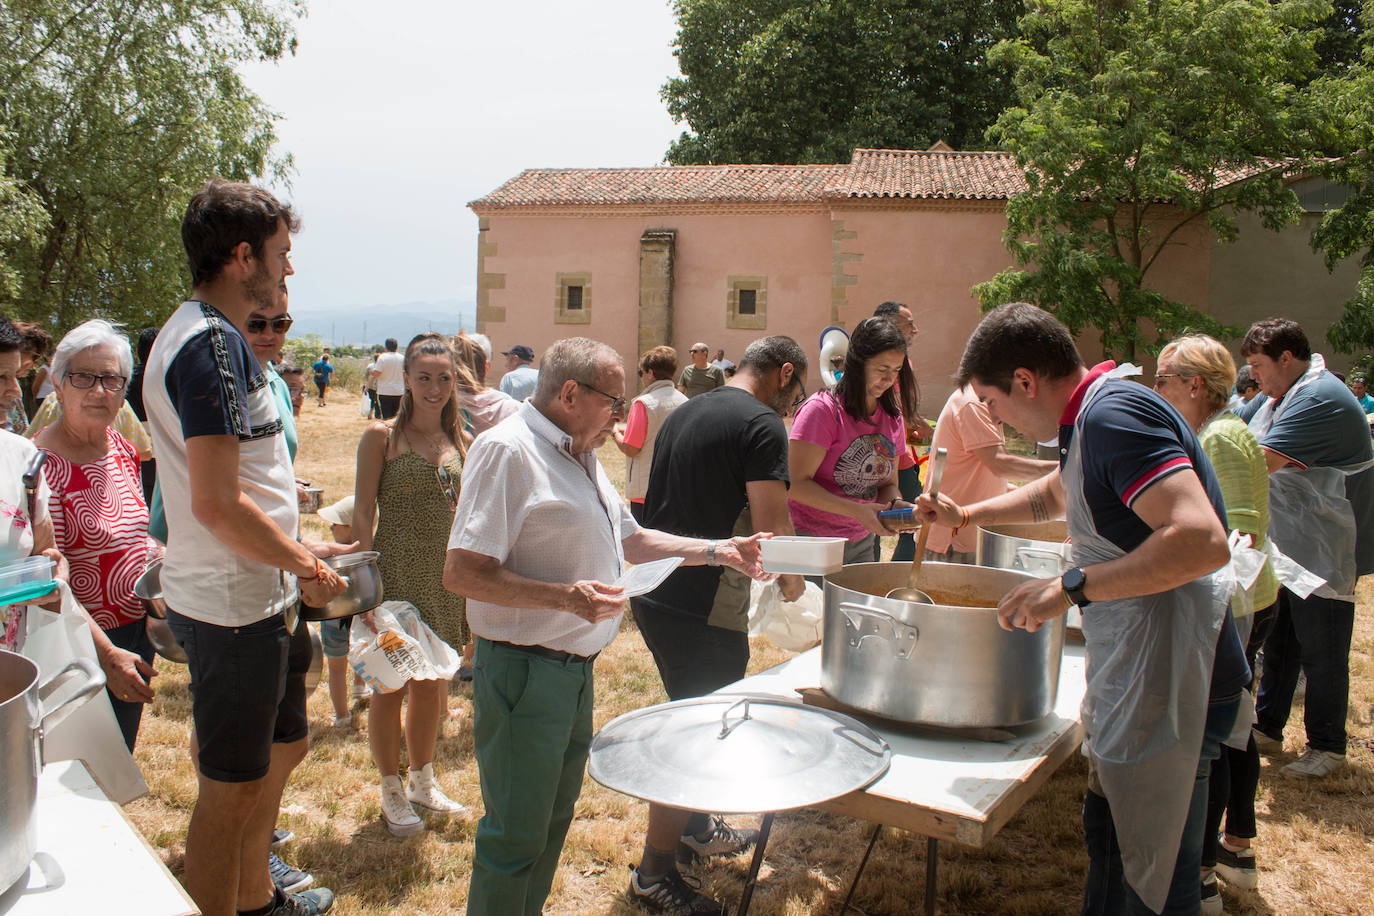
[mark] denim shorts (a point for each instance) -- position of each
(334, 637)
(247, 692)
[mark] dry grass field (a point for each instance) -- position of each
(1316, 843)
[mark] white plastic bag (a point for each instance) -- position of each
(90, 733)
(397, 647)
(365, 407)
(792, 625)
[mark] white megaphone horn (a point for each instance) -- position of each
(834, 346)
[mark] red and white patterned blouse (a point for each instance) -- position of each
(100, 523)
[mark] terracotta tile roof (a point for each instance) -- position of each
(935, 174)
(664, 184)
(931, 174)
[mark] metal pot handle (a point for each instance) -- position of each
(94, 682)
(861, 622)
(1053, 558)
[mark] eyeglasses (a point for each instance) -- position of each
(617, 404)
(280, 324)
(84, 380)
(446, 485)
(801, 396)
(1160, 376)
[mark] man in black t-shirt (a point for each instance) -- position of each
(719, 469)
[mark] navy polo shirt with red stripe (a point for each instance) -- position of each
(1132, 439)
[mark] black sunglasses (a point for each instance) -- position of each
(280, 325)
(617, 404)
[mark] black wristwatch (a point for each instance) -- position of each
(1073, 582)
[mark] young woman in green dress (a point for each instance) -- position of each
(409, 469)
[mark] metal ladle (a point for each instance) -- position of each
(910, 592)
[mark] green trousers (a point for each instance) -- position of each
(532, 728)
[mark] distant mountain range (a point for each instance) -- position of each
(363, 325)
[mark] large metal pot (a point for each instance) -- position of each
(1039, 548)
(948, 663)
(23, 721)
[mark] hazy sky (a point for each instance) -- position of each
(398, 114)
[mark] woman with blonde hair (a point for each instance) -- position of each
(1196, 375)
(484, 407)
(409, 469)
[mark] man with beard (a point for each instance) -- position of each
(719, 469)
(234, 567)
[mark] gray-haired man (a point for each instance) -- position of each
(542, 608)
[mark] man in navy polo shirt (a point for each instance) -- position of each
(1147, 524)
(1321, 508)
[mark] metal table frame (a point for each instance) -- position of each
(1022, 765)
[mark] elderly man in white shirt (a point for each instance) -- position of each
(534, 549)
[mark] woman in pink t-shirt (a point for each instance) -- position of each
(846, 442)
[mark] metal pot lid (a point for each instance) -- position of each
(736, 754)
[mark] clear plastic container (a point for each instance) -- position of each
(26, 579)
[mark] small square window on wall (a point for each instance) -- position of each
(572, 298)
(746, 303)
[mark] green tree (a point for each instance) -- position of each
(793, 81)
(1135, 119)
(115, 112)
(1349, 231)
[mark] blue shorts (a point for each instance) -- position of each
(334, 637)
(247, 692)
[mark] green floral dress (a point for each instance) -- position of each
(414, 518)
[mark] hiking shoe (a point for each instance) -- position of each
(673, 894)
(397, 814)
(720, 840)
(1267, 746)
(1237, 868)
(287, 877)
(423, 790)
(311, 903)
(1211, 896)
(281, 837)
(1314, 764)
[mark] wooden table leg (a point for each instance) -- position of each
(764, 828)
(932, 862)
(863, 863)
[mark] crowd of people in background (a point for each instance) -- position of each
(468, 494)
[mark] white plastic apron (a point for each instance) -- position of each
(1149, 678)
(1302, 502)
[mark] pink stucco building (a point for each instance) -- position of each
(726, 254)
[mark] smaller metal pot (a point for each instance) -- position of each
(313, 499)
(364, 580)
(148, 589)
(312, 674)
(166, 645)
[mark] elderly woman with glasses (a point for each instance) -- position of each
(100, 522)
(1196, 374)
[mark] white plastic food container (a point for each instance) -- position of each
(802, 556)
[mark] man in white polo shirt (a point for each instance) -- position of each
(234, 569)
(534, 549)
(391, 379)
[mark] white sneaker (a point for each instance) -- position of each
(1211, 896)
(422, 790)
(397, 814)
(1266, 745)
(1314, 765)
